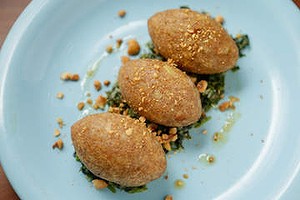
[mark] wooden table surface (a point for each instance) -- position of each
(9, 11)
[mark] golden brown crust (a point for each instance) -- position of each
(196, 42)
(118, 149)
(160, 92)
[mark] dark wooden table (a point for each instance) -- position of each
(9, 11)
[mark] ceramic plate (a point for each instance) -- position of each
(260, 158)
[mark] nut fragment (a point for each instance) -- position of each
(202, 85)
(122, 13)
(89, 101)
(109, 49)
(106, 82)
(219, 19)
(60, 122)
(97, 85)
(168, 197)
(100, 102)
(124, 59)
(56, 133)
(80, 105)
(133, 47)
(99, 184)
(67, 76)
(60, 95)
(119, 43)
(58, 144)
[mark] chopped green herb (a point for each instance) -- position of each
(242, 42)
(111, 186)
(235, 68)
(150, 53)
(184, 7)
(214, 91)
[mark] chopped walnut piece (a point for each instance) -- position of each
(167, 146)
(142, 119)
(186, 176)
(168, 197)
(56, 133)
(228, 104)
(124, 59)
(133, 47)
(106, 82)
(99, 184)
(60, 95)
(122, 13)
(60, 122)
(97, 85)
(202, 85)
(219, 19)
(67, 76)
(80, 105)
(89, 101)
(109, 49)
(173, 130)
(75, 77)
(58, 144)
(119, 43)
(100, 101)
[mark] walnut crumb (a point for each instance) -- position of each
(168, 197)
(219, 19)
(97, 85)
(106, 82)
(100, 102)
(202, 85)
(99, 184)
(122, 13)
(56, 133)
(58, 144)
(60, 122)
(89, 101)
(133, 47)
(80, 105)
(125, 59)
(119, 43)
(204, 132)
(109, 49)
(60, 95)
(186, 176)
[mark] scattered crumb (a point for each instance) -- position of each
(193, 79)
(56, 133)
(60, 122)
(204, 132)
(122, 13)
(179, 183)
(219, 19)
(89, 101)
(168, 197)
(58, 144)
(238, 35)
(80, 105)
(142, 119)
(100, 102)
(228, 104)
(119, 43)
(88, 94)
(109, 49)
(194, 168)
(133, 47)
(186, 176)
(60, 95)
(106, 82)
(166, 177)
(97, 85)
(124, 59)
(173, 130)
(99, 184)
(67, 76)
(167, 146)
(211, 159)
(202, 85)
(75, 77)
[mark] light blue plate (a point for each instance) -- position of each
(261, 156)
